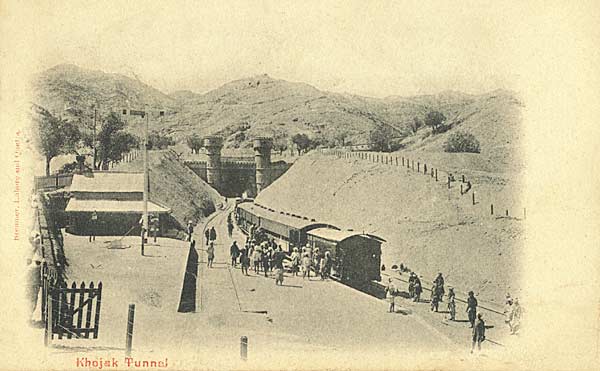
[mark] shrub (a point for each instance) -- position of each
(462, 142)
(435, 120)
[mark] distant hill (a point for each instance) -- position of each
(262, 105)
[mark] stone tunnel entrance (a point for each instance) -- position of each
(234, 176)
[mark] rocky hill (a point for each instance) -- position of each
(262, 105)
(176, 186)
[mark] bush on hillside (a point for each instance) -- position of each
(462, 142)
(380, 137)
(435, 120)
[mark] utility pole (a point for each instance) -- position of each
(145, 222)
(144, 114)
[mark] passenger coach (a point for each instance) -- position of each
(356, 256)
(289, 229)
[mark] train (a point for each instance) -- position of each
(356, 257)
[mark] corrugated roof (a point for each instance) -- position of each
(113, 206)
(108, 182)
(294, 222)
(337, 236)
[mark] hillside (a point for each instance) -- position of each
(427, 227)
(262, 105)
(176, 186)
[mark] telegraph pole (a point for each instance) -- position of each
(145, 222)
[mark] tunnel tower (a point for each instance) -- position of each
(262, 158)
(213, 145)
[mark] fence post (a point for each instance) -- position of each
(413, 164)
(402, 160)
(244, 348)
(436, 178)
(461, 189)
(56, 180)
(473, 196)
(463, 178)
(507, 212)
(418, 167)
(129, 335)
(396, 161)
(425, 169)
(448, 182)
(491, 209)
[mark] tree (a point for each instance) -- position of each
(302, 142)
(158, 141)
(415, 125)
(340, 137)
(380, 137)
(462, 142)
(54, 135)
(280, 143)
(113, 141)
(435, 120)
(194, 142)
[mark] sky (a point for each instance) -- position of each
(374, 48)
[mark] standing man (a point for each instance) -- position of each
(210, 253)
(234, 252)
(229, 228)
(391, 292)
(93, 226)
(190, 230)
(213, 234)
(439, 284)
(244, 260)
(451, 304)
(34, 283)
(478, 333)
(471, 308)
(154, 226)
(418, 289)
(207, 235)
(411, 284)
(278, 257)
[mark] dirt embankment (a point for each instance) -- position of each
(174, 185)
(427, 226)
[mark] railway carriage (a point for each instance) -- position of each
(356, 256)
(288, 229)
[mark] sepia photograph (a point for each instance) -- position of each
(300, 185)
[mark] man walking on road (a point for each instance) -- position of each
(478, 333)
(234, 252)
(471, 308)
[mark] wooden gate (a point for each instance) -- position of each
(72, 311)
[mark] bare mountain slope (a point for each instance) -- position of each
(262, 105)
(427, 227)
(176, 186)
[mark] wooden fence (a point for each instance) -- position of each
(52, 182)
(72, 312)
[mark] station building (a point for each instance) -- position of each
(117, 199)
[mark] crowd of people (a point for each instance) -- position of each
(262, 255)
(512, 312)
